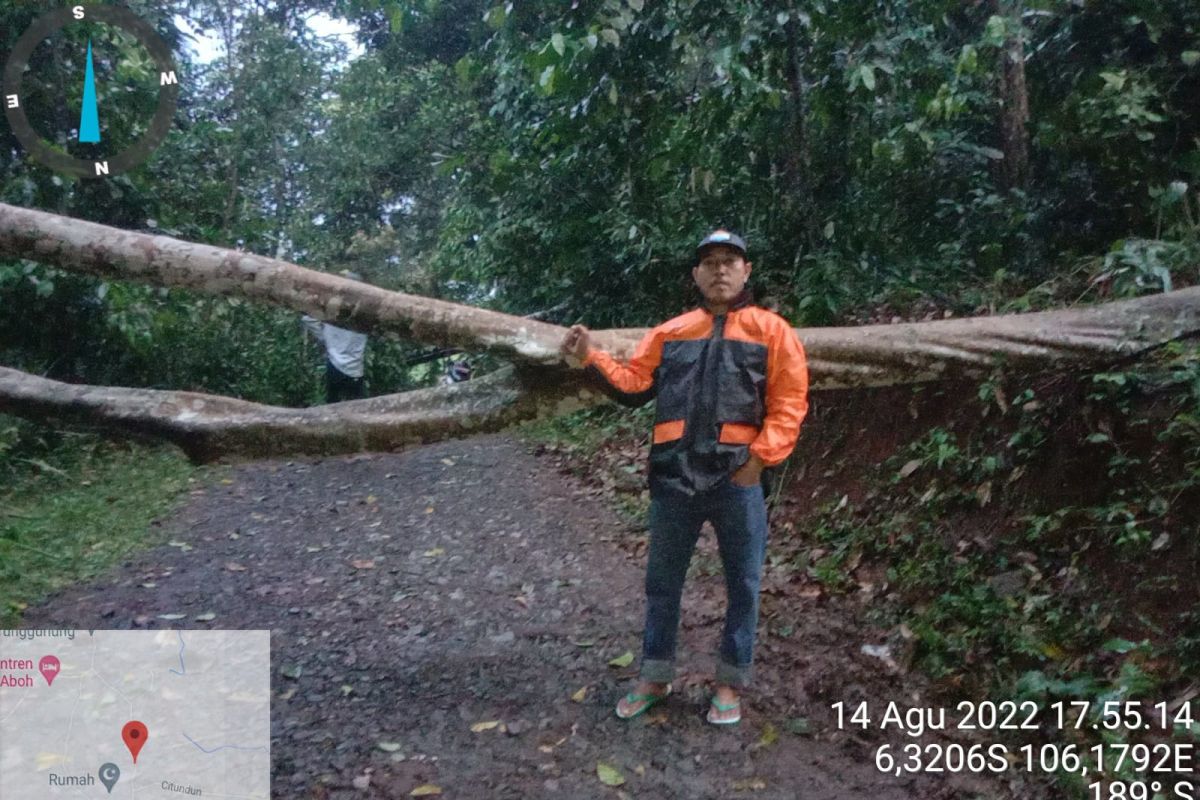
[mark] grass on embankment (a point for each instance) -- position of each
(72, 510)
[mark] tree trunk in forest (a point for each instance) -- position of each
(536, 385)
(230, 33)
(1014, 97)
(798, 160)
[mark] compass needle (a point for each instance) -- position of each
(89, 117)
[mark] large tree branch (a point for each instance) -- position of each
(913, 352)
(86, 247)
(209, 427)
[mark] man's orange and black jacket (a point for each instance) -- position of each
(728, 385)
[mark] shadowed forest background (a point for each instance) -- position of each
(886, 161)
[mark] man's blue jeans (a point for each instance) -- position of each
(739, 516)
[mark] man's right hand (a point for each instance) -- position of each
(577, 342)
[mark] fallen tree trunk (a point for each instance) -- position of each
(873, 355)
(537, 385)
(210, 427)
(916, 352)
(84, 247)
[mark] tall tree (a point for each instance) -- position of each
(1014, 96)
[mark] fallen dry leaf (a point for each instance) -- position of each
(608, 775)
(580, 695)
(623, 660)
(750, 784)
(435, 552)
(425, 790)
(480, 727)
(233, 566)
(363, 563)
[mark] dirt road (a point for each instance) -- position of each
(412, 596)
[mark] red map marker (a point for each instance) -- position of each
(49, 667)
(135, 734)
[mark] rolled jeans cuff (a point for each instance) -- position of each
(731, 675)
(657, 671)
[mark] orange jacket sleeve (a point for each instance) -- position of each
(638, 374)
(787, 397)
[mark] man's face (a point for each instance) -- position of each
(721, 274)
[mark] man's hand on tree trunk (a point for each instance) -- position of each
(577, 342)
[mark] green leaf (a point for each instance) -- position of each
(611, 36)
(396, 18)
(495, 17)
(559, 43)
(1113, 80)
(1190, 58)
(546, 81)
(867, 72)
(636, 5)
(1118, 646)
(463, 68)
(992, 153)
(995, 31)
(623, 660)
(609, 775)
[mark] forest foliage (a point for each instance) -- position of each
(567, 156)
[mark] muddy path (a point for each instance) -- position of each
(411, 596)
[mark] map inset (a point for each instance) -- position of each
(125, 714)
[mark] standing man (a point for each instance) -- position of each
(344, 352)
(732, 387)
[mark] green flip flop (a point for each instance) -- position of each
(648, 701)
(715, 705)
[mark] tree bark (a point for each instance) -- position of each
(1014, 98)
(85, 247)
(211, 427)
(798, 160)
(538, 384)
